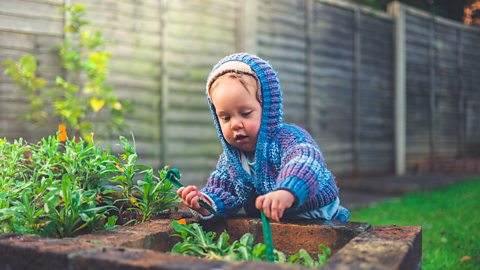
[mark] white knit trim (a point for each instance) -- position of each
(212, 203)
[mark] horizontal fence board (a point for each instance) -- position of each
(24, 8)
(44, 26)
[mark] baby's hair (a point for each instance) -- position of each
(240, 76)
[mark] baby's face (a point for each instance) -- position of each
(239, 112)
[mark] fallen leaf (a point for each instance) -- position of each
(465, 258)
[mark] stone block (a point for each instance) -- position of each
(387, 247)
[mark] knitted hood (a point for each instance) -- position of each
(272, 112)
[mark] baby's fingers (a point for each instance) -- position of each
(281, 210)
(179, 191)
(191, 195)
(267, 205)
(259, 202)
(187, 190)
(275, 211)
(194, 203)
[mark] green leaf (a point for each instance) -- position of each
(28, 63)
(222, 241)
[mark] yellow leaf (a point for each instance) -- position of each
(117, 106)
(97, 104)
(68, 28)
(88, 89)
(85, 34)
(88, 137)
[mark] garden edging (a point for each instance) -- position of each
(354, 246)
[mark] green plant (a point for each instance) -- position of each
(155, 196)
(83, 94)
(148, 197)
(125, 168)
(79, 209)
(59, 188)
(197, 242)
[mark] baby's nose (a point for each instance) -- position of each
(236, 124)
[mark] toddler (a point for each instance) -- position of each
(265, 164)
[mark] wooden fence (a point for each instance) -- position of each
(337, 64)
(442, 88)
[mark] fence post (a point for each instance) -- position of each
(309, 11)
(163, 88)
(247, 27)
(357, 58)
(433, 93)
(461, 98)
(398, 11)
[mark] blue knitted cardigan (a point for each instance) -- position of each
(286, 157)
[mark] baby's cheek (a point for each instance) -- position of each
(225, 134)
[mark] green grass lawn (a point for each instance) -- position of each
(450, 218)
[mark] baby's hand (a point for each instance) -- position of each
(190, 197)
(274, 203)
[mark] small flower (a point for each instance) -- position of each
(134, 202)
(62, 136)
(98, 198)
(118, 166)
(182, 221)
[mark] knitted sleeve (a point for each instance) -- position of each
(303, 170)
(220, 188)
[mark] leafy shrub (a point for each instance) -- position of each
(59, 189)
(197, 242)
(82, 94)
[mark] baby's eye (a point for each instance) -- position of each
(245, 114)
(225, 118)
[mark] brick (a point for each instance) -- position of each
(120, 236)
(390, 247)
(263, 266)
(132, 259)
(27, 252)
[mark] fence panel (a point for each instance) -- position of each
(470, 81)
(27, 27)
(419, 59)
(281, 40)
(197, 35)
(134, 32)
(375, 102)
(447, 92)
(333, 67)
(442, 88)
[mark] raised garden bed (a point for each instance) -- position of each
(146, 246)
(60, 187)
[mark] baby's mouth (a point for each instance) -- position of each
(240, 137)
